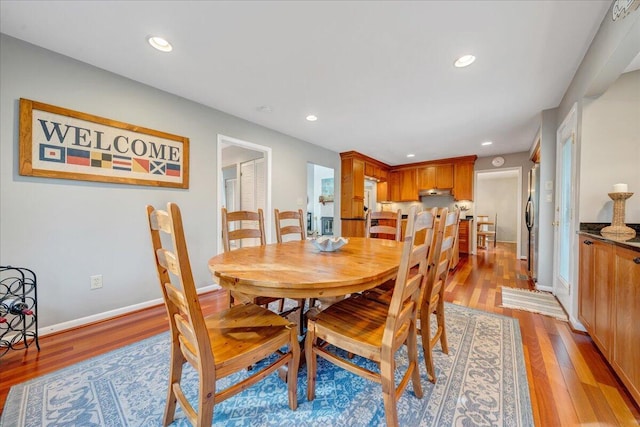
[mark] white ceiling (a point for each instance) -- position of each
(379, 75)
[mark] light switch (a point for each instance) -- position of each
(300, 201)
(549, 198)
(548, 185)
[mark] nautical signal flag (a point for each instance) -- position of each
(51, 153)
(173, 169)
(140, 165)
(158, 168)
(100, 160)
(78, 157)
(122, 163)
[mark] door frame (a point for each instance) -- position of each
(519, 214)
(223, 141)
(568, 129)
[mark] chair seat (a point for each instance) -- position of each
(359, 321)
(244, 329)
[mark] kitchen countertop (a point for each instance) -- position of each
(592, 230)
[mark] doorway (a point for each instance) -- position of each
(565, 208)
(244, 179)
(498, 195)
(320, 200)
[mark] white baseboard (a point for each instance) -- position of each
(576, 324)
(544, 288)
(59, 327)
(523, 257)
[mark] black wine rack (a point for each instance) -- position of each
(18, 301)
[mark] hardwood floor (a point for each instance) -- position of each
(569, 380)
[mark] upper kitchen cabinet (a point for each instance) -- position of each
(439, 177)
(375, 170)
(463, 179)
(355, 167)
(403, 185)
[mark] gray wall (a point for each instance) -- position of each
(68, 230)
(498, 196)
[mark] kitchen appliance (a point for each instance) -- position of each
(531, 220)
(434, 192)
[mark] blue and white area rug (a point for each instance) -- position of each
(481, 382)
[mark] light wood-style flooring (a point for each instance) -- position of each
(569, 380)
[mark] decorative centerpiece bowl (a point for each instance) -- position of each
(329, 244)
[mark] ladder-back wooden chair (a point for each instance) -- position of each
(390, 227)
(486, 230)
(218, 345)
(376, 331)
(242, 228)
(433, 299)
(241, 225)
(289, 223)
(290, 226)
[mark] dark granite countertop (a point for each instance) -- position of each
(592, 230)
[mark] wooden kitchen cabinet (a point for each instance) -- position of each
(586, 296)
(427, 178)
(382, 191)
(353, 227)
(438, 177)
(354, 168)
(464, 236)
(595, 291)
(602, 292)
(608, 301)
(444, 176)
(375, 171)
(409, 185)
(463, 180)
(352, 188)
(369, 169)
(626, 319)
(394, 186)
(403, 185)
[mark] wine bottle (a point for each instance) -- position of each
(17, 307)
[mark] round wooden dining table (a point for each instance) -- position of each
(297, 269)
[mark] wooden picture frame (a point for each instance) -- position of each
(56, 142)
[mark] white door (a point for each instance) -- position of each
(564, 230)
(260, 172)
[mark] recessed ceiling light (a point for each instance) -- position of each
(464, 61)
(487, 143)
(411, 155)
(160, 44)
(312, 118)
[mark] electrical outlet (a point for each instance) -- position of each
(96, 281)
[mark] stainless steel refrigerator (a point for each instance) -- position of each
(531, 219)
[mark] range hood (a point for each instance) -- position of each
(434, 192)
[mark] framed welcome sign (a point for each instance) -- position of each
(59, 143)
